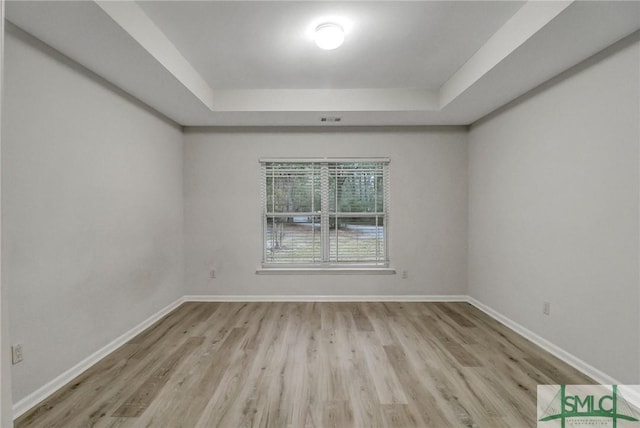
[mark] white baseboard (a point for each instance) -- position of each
(45, 391)
(557, 351)
(631, 395)
(597, 375)
(326, 298)
(52, 386)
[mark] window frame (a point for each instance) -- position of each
(327, 265)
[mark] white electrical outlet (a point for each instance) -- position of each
(212, 274)
(405, 274)
(546, 309)
(16, 353)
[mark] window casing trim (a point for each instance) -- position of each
(381, 265)
(381, 160)
(341, 270)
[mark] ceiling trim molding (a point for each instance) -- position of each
(142, 29)
(122, 44)
(526, 22)
(530, 19)
(391, 99)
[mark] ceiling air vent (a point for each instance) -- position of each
(330, 119)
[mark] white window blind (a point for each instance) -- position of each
(324, 213)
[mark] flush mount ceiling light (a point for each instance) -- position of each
(329, 36)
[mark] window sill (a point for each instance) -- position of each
(326, 271)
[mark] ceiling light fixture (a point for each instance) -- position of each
(329, 36)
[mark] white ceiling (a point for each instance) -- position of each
(269, 45)
(255, 63)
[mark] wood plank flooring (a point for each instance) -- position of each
(312, 365)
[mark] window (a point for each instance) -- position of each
(325, 213)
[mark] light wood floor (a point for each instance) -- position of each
(312, 364)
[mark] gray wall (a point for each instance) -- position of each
(5, 361)
(428, 225)
(554, 211)
(542, 197)
(92, 211)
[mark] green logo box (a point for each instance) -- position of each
(573, 406)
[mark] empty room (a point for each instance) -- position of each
(320, 214)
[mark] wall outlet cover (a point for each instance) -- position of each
(16, 353)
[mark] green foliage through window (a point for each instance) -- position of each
(325, 213)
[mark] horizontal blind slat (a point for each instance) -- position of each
(356, 192)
